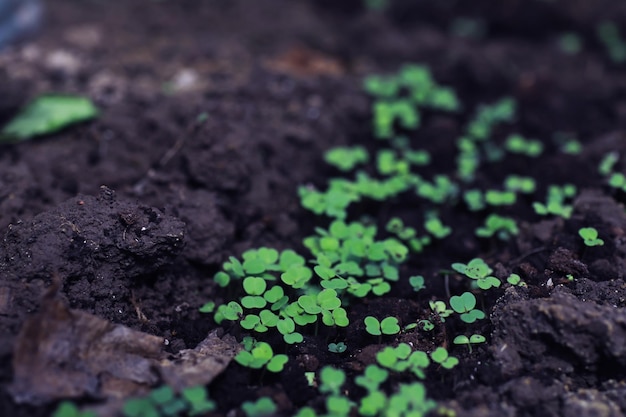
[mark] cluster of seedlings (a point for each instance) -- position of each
(271, 295)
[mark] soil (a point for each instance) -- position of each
(136, 211)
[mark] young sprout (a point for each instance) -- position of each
(441, 356)
(417, 282)
(555, 203)
(518, 144)
(346, 158)
(590, 236)
(337, 347)
(388, 326)
(515, 279)
(469, 341)
(261, 356)
(478, 270)
(263, 407)
(503, 227)
(607, 163)
(610, 36)
(464, 305)
(570, 43)
(500, 198)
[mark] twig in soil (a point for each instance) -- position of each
(170, 153)
(527, 254)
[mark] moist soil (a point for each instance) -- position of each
(133, 213)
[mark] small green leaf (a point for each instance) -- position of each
(48, 114)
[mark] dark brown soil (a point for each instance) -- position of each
(137, 210)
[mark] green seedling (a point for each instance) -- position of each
(519, 184)
(287, 327)
(607, 164)
(567, 144)
(163, 401)
(570, 43)
(69, 409)
(516, 280)
(327, 304)
(263, 407)
(207, 307)
(374, 402)
(198, 400)
(387, 326)
(417, 282)
(441, 356)
(438, 191)
(469, 341)
(411, 401)
(464, 305)
(610, 36)
(478, 270)
(337, 347)
(590, 236)
(402, 358)
(502, 227)
(48, 114)
(556, 201)
(500, 198)
(331, 380)
(518, 144)
(487, 116)
(468, 27)
(346, 158)
(261, 356)
(474, 199)
(435, 227)
(440, 309)
(617, 180)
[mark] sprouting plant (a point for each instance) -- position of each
(377, 5)
(474, 199)
(610, 36)
(515, 279)
(478, 270)
(263, 407)
(487, 116)
(207, 307)
(520, 184)
(402, 358)
(163, 401)
(502, 227)
(435, 227)
(500, 198)
(590, 236)
(417, 282)
(556, 201)
(346, 158)
(261, 355)
(617, 180)
(374, 402)
(331, 381)
(69, 409)
(607, 164)
(469, 341)
(441, 189)
(570, 43)
(518, 144)
(465, 304)
(567, 143)
(337, 347)
(410, 401)
(440, 309)
(388, 326)
(441, 356)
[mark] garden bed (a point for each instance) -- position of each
(215, 123)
